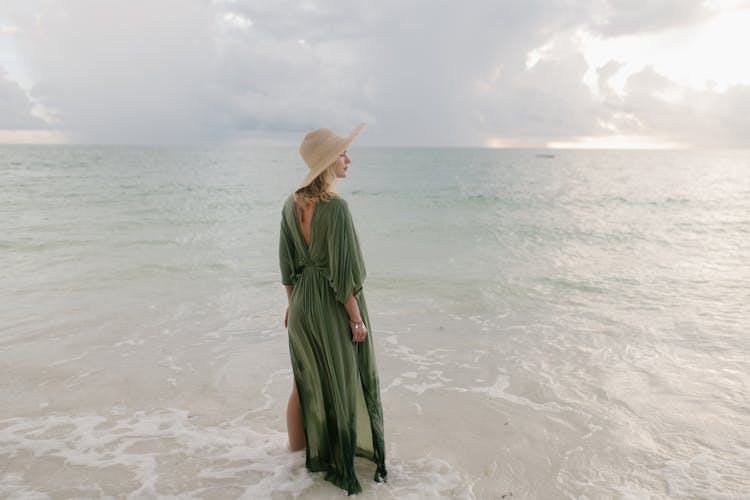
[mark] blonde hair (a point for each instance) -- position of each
(320, 189)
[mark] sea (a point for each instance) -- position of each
(548, 324)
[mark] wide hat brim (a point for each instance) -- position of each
(321, 148)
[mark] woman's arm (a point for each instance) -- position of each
(352, 308)
(358, 327)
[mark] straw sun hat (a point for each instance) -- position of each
(320, 148)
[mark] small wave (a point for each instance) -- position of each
(171, 452)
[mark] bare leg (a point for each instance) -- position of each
(294, 422)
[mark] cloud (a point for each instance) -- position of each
(116, 71)
(181, 71)
(627, 17)
(547, 102)
(8, 30)
(450, 71)
(702, 118)
(184, 71)
(16, 107)
(419, 73)
(604, 73)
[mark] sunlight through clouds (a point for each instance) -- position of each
(616, 142)
(701, 56)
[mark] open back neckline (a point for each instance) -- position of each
(299, 223)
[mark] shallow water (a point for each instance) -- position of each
(567, 327)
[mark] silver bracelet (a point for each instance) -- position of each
(357, 322)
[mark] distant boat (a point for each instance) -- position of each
(545, 155)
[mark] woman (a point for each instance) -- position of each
(334, 411)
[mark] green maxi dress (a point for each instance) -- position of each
(337, 379)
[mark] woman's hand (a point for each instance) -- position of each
(359, 330)
(286, 318)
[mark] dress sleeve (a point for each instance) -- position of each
(346, 263)
(286, 254)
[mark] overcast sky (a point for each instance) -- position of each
(487, 73)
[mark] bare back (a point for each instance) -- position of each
(304, 217)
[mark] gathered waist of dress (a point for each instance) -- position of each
(308, 268)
